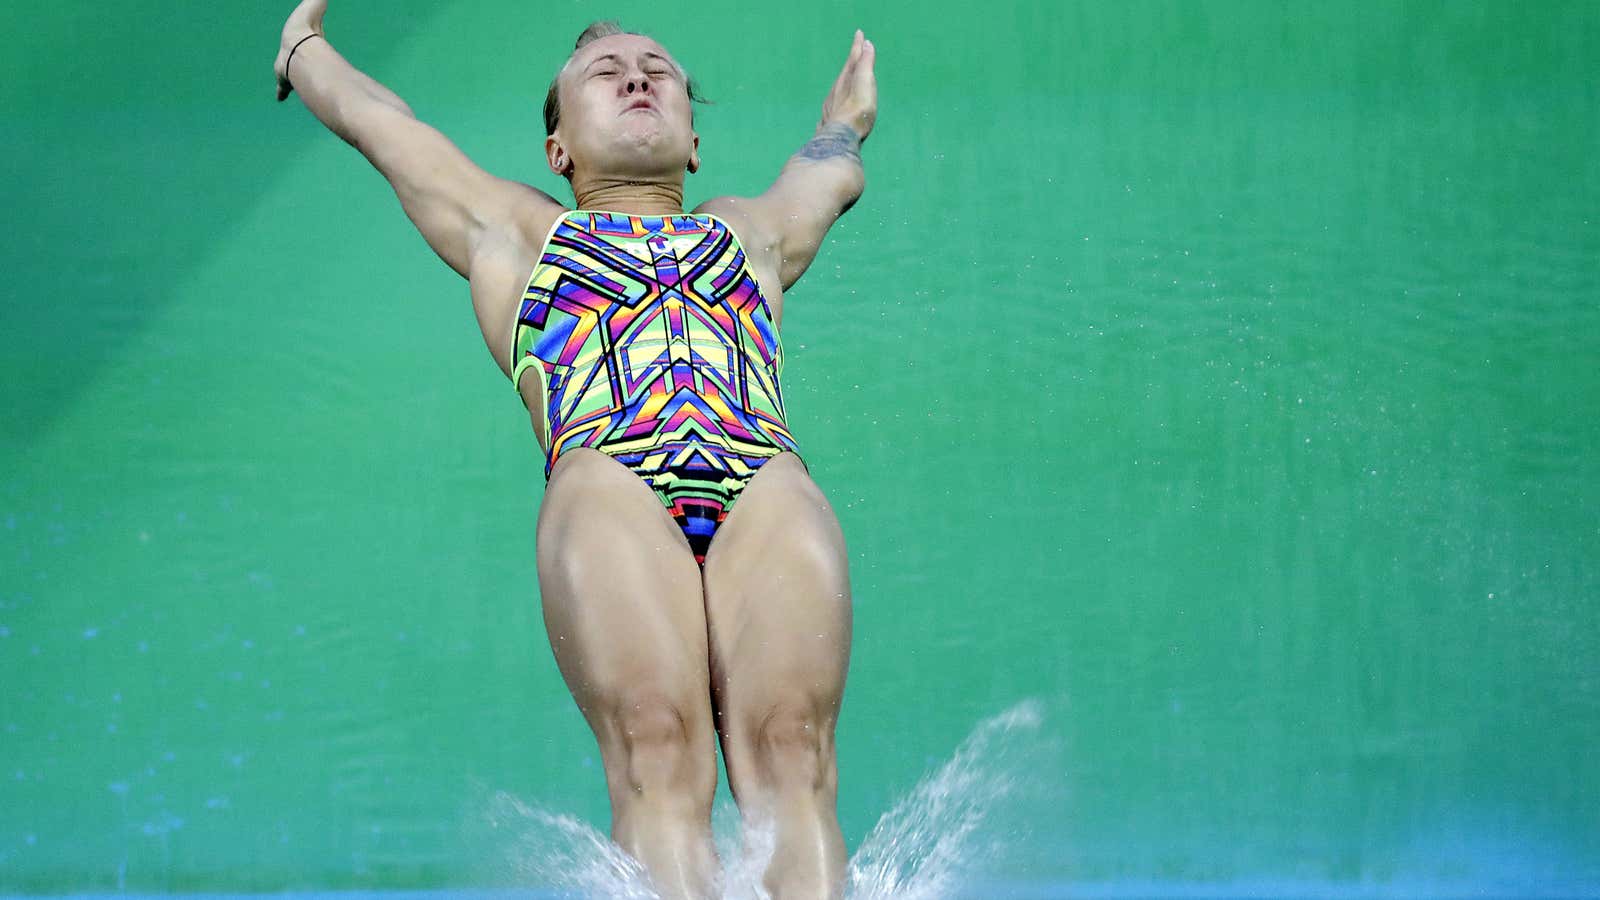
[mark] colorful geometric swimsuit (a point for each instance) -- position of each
(656, 347)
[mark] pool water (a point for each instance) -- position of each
(1208, 393)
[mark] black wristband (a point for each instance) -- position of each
(291, 54)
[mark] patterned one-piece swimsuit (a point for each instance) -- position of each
(656, 347)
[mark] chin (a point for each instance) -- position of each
(649, 152)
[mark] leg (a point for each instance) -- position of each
(777, 597)
(624, 612)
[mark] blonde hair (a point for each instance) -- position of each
(596, 31)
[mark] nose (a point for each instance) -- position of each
(637, 79)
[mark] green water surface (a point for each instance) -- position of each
(1224, 375)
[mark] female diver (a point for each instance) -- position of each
(693, 576)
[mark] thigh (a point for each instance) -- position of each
(621, 596)
(778, 607)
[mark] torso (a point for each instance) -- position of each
(503, 264)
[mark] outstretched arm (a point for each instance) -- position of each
(453, 203)
(825, 177)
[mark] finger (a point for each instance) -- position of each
(846, 72)
(839, 82)
(855, 50)
(862, 67)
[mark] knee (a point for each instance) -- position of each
(793, 748)
(654, 746)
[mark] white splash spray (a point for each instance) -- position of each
(554, 850)
(926, 847)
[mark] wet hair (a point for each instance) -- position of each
(596, 31)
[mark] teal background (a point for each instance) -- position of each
(1221, 374)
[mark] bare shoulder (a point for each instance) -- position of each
(504, 258)
(512, 238)
(749, 218)
(531, 213)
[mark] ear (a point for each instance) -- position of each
(694, 154)
(556, 156)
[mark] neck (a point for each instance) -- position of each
(639, 196)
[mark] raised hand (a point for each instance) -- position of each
(854, 98)
(306, 19)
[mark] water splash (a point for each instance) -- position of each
(558, 851)
(926, 847)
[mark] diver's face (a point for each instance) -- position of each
(624, 111)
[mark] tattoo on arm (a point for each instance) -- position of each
(833, 140)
